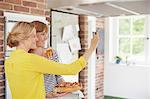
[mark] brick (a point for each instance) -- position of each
(1, 13)
(1, 55)
(2, 20)
(1, 69)
(41, 6)
(83, 36)
(82, 73)
(5, 6)
(29, 4)
(82, 77)
(2, 97)
(1, 42)
(83, 49)
(21, 9)
(83, 17)
(2, 90)
(83, 23)
(2, 77)
(2, 83)
(1, 28)
(47, 13)
(83, 28)
(13, 1)
(1, 49)
(83, 33)
(100, 66)
(42, 1)
(37, 11)
(85, 46)
(83, 41)
(1, 34)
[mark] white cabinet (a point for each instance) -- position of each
(69, 96)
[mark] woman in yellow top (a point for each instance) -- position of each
(24, 70)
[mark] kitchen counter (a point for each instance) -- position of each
(73, 95)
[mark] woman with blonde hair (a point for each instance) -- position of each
(24, 70)
(50, 80)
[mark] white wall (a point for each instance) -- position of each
(92, 59)
(131, 82)
(127, 81)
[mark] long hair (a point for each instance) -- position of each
(21, 31)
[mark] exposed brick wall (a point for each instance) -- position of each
(34, 7)
(83, 76)
(83, 34)
(30, 7)
(100, 65)
(2, 75)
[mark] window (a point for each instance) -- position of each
(130, 39)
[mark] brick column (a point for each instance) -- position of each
(83, 34)
(83, 76)
(2, 74)
(100, 63)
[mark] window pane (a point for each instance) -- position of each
(138, 25)
(138, 46)
(124, 26)
(124, 46)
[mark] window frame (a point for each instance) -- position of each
(114, 29)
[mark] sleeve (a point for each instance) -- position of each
(43, 65)
(59, 78)
(55, 57)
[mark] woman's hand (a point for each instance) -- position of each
(54, 95)
(94, 43)
(61, 94)
(50, 95)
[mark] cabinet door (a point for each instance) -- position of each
(70, 96)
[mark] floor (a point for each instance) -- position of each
(110, 97)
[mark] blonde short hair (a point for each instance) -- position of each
(21, 31)
(40, 26)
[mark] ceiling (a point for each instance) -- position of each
(101, 8)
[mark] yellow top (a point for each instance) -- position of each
(24, 72)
